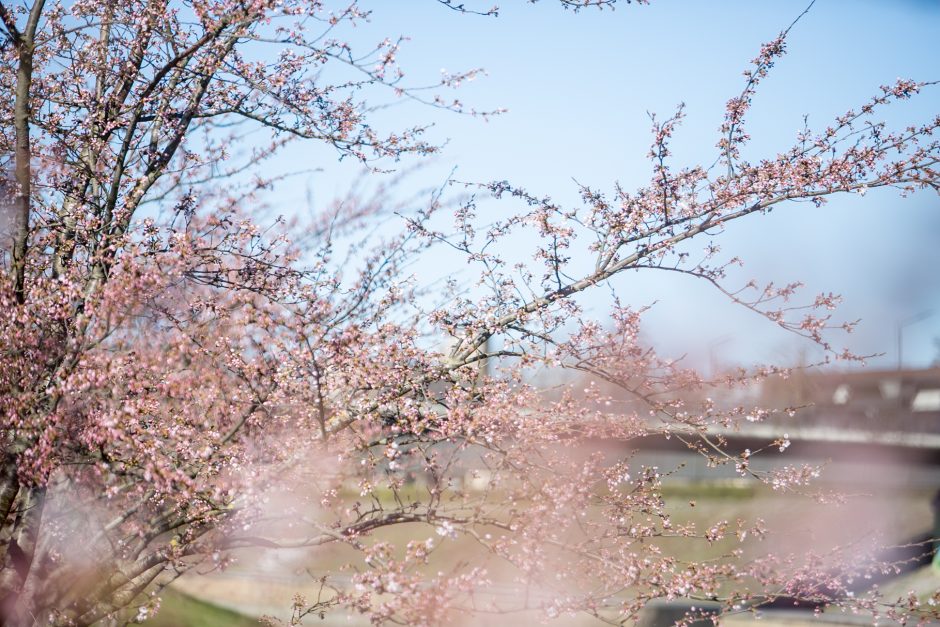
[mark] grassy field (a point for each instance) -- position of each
(180, 610)
(263, 582)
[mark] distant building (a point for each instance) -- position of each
(872, 400)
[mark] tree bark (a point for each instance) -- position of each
(9, 486)
(22, 169)
(20, 551)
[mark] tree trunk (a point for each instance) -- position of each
(9, 486)
(20, 551)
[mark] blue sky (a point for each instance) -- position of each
(578, 89)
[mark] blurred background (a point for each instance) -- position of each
(578, 89)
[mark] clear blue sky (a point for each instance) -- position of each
(578, 88)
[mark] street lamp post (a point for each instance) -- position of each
(907, 322)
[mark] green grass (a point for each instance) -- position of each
(727, 489)
(181, 610)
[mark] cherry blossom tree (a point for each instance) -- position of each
(171, 356)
